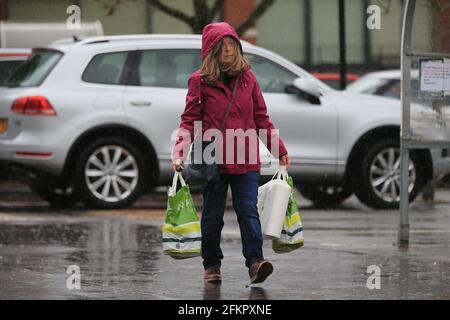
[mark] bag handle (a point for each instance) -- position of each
(177, 176)
(281, 173)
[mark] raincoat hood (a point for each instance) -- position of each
(213, 33)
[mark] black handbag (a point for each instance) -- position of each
(198, 175)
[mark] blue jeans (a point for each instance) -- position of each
(244, 191)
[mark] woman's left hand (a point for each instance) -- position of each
(285, 161)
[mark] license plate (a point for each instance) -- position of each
(3, 125)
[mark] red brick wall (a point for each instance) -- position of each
(236, 11)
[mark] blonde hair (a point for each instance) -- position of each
(212, 69)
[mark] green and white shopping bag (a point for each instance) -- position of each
(181, 230)
(292, 232)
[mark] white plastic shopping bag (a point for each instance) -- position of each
(292, 231)
(273, 200)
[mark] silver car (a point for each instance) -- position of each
(383, 83)
(93, 119)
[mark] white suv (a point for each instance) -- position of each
(94, 119)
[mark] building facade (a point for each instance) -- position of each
(304, 31)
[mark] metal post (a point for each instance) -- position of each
(366, 37)
(403, 231)
(150, 18)
(342, 46)
(308, 32)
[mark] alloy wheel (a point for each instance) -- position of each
(385, 175)
(111, 173)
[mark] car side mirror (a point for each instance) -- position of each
(305, 89)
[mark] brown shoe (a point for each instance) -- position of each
(212, 274)
(259, 271)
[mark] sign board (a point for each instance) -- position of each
(429, 116)
(435, 77)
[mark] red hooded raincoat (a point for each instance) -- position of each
(207, 103)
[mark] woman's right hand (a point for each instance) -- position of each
(177, 165)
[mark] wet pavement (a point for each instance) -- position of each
(119, 254)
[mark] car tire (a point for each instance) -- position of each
(57, 194)
(326, 196)
(377, 180)
(111, 173)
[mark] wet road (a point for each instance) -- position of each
(119, 255)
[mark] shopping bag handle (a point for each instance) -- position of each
(281, 173)
(177, 176)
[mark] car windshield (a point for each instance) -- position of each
(368, 85)
(34, 70)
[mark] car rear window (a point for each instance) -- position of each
(33, 71)
(7, 67)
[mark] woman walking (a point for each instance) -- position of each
(210, 90)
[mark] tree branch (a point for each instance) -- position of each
(201, 15)
(215, 9)
(386, 6)
(200, 6)
(255, 15)
(174, 12)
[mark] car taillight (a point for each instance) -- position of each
(33, 106)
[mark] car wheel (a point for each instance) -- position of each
(57, 194)
(111, 173)
(378, 178)
(326, 196)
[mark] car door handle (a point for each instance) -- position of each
(141, 103)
